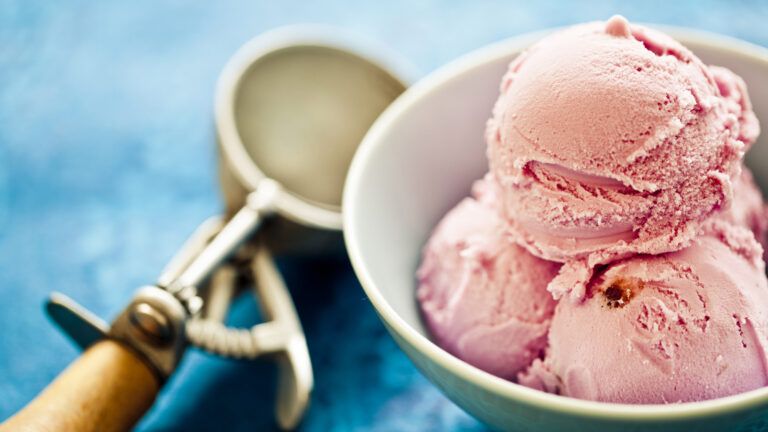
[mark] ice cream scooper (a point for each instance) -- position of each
(291, 107)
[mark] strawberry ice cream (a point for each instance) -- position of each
(678, 327)
(483, 297)
(611, 139)
(615, 183)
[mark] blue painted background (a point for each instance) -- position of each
(107, 165)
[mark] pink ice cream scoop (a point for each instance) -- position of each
(610, 139)
(483, 297)
(678, 327)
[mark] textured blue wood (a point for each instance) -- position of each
(106, 165)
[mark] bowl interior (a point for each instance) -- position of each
(423, 154)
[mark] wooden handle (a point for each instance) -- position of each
(107, 389)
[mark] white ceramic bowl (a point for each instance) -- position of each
(419, 159)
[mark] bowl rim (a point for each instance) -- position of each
(433, 82)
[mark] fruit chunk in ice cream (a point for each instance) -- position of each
(677, 327)
(483, 297)
(610, 139)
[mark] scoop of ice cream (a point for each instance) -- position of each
(684, 326)
(483, 297)
(610, 139)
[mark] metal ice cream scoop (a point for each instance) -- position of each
(291, 107)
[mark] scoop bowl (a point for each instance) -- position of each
(420, 158)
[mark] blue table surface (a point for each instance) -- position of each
(107, 165)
